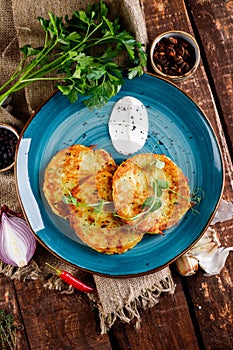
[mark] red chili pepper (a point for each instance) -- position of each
(72, 280)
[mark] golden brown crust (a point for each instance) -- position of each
(130, 189)
(52, 186)
(96, 225)
(104, 178)
(86, 175)
(101, 189)
(102, 235)
(71, 172)
(175, 199)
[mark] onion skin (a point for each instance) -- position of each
(17, 243)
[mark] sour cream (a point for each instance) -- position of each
(128, 125)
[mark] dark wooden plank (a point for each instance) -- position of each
(58, 321)
(211, 299)
(160, 17)
(214, 24)
(55, 321)
(213, 314)
(8, 303)
(166, 326)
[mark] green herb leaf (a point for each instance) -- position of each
(133, 72)
(163, 184)
(100, 94)
(148, 202)
(65, 89)
(157, 204)
(103, 9)
(68, 54)
(70, 200)
(72, 95)
(158, 191)
(96, 73)
(28, 51)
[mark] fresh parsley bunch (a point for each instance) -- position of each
(80, 54)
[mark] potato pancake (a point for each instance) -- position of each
(165, 184)
(110, 208)
(86, 176)
(94, 222)
(104, 181)
(52, 186)
(69, 167)
(81, 162)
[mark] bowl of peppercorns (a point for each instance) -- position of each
(175, 55)
(8, 141)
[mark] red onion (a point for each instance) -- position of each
(17, 243)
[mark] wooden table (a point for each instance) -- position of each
(200, 313)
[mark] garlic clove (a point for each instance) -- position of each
(213, 263)
(207, 251)
(186, 265)
(209, 237)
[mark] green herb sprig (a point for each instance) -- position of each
(153, 202)
(98, 207)
(81, 54)
(7, 331)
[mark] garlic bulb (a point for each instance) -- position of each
(224, 212)
(207, 251)
(17, 243)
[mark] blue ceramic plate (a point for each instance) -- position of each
(177, 128)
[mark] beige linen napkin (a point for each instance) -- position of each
(117, 298)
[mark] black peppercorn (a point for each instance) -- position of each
(8, 142)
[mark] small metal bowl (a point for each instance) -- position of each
(175, 55)
(8, 141)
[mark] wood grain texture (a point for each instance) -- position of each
(58, 321)
(210, 298)
(199, 314)
(166, 326)
(214, 24)
(9, 303)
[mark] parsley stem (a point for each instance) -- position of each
(42, 78)
(23, 73)
(66, 50)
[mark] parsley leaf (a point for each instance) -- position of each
(81, 52)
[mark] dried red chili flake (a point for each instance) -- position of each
(174, 56)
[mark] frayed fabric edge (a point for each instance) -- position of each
(147, 298)
(31, 271)
(131, 310)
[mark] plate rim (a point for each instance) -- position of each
(128, 274)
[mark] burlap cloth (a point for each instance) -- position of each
(117, 298)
